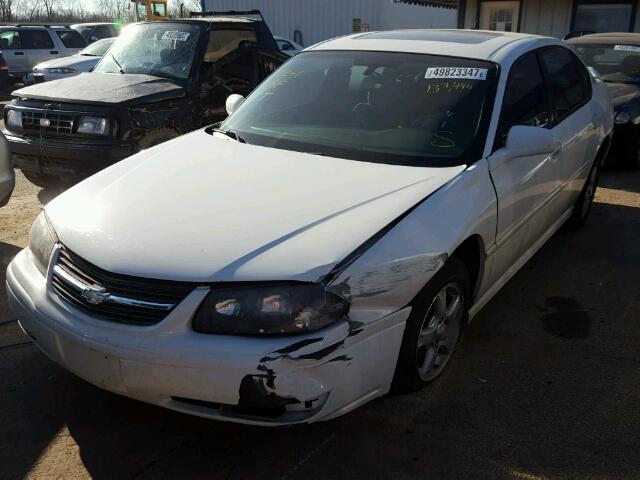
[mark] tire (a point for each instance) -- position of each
(156, 137)
(44, 180)
(583, 204)
(430, 337)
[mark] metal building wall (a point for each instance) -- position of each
(322, 19)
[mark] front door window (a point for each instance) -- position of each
(500, 16)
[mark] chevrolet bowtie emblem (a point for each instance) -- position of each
(95, 296)
(45, 122)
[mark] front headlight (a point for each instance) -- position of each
(42, 239)
(269, 309)
(93, 125)
(63, 70)
(622, 117)
(14, 118)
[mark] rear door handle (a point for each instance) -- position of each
(18, 53)
(53, 51)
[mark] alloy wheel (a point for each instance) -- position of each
(439, 331)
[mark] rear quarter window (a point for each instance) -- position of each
(71, 39)
(35, 39)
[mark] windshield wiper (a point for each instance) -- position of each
(117, 62)
(231, 134)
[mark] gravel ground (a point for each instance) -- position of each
(544, 385)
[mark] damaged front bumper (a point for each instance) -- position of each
(261, 381)
(65, 156)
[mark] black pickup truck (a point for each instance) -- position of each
(158, 81)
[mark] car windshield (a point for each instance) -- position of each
(385, 107)
(612, 63)
(162, 49)
(99, 48)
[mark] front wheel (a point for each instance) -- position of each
(44, 180)
(438, 315)
(156, 137)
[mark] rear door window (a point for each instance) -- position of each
(71, 39)
(526, 101)
(9, 39)
(36, 39)
(569, 80)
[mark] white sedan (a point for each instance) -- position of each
(331, 239)
(7, 174)
(66, 67)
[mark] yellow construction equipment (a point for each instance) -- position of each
(151, 10)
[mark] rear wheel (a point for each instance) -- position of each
(438, 316)
(583, 204)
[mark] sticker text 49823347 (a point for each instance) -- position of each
(468, 73)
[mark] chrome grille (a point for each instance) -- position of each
(59, 122)
(115, 297)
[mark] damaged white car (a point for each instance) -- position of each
(329, 241)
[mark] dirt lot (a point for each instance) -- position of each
(545, 384)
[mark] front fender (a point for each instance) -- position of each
(391, 272)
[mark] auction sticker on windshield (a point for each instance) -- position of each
(457, 72)
(176, 35)
(627, 48)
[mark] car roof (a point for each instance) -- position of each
(91, 24)
(607, 38)
(477, 44)
(39, 27)
(215, 20)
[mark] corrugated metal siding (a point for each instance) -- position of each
(320, 20)
(546, 17)
(470, 16)
(541, 17)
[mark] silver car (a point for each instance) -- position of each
(7, 175)
(66, 67)
(26, 46)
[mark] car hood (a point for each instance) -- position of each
(623, 93)
(202, 208)
(82, 63)
(101, 88)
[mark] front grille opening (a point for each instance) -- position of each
(235, 410)
(59, 122)
(124, 286)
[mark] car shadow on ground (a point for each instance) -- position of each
(544, 384)
(620, 180)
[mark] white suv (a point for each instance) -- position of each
(24, 46)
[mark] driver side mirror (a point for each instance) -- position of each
(526, 141)
(233, 102)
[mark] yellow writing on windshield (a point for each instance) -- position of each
(448, 87)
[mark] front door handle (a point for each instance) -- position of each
(18, 53)
(53, 51)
